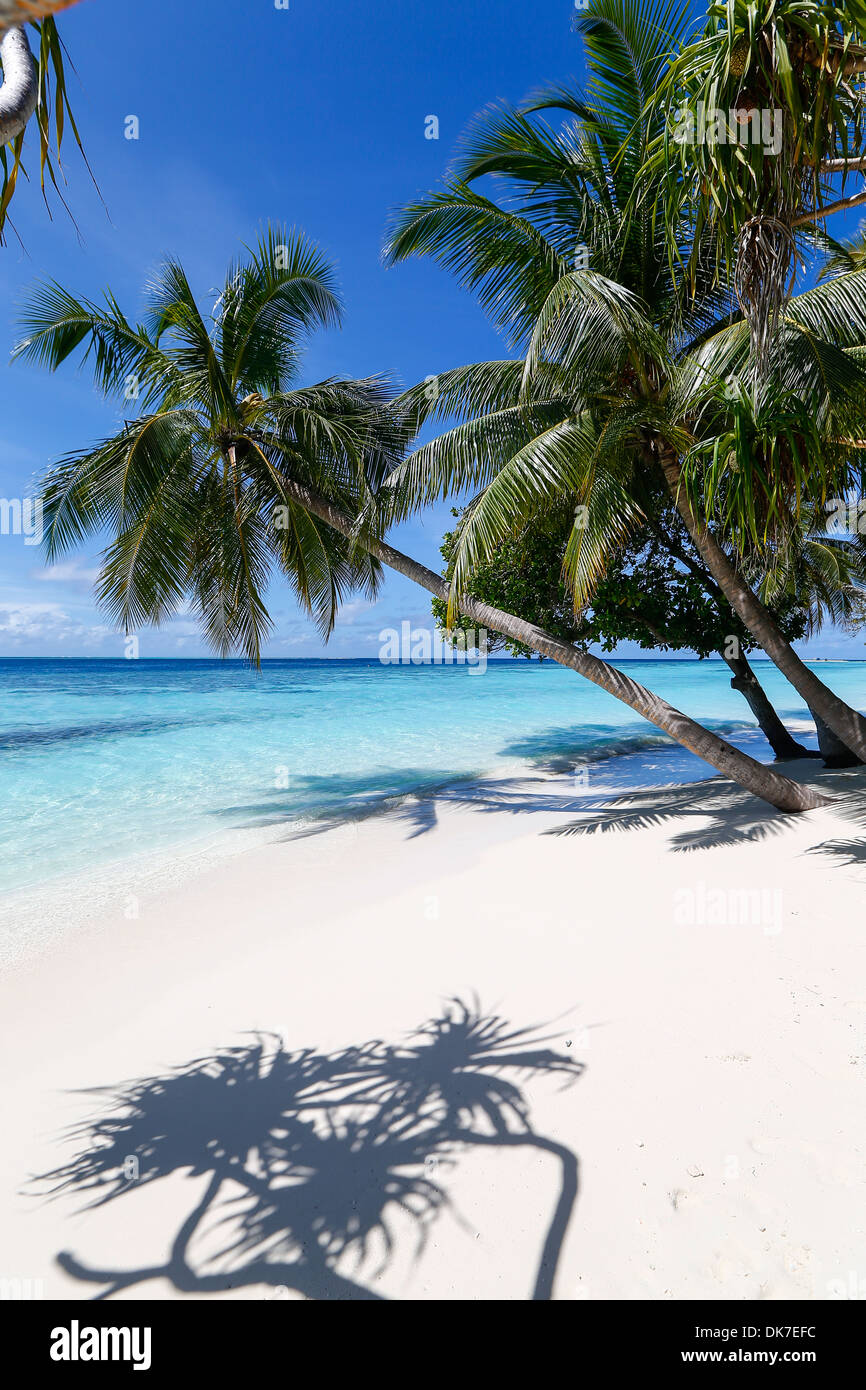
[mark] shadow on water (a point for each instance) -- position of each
(723, 813)
(556, 750)
(412, 797)
(309, 1156)
(416, 810)
(23, 740)
(336, 799)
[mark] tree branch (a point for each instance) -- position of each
(817, 213)
(842, 166)
(854, 59)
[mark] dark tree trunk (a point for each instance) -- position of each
(833, 750)
(783, 744)
(847, 723)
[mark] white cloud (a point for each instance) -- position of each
(352, 612)
(69, 572)
(32, 619)
(28, 622)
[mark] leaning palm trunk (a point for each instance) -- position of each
(755, 777)
(845, 722)
(598, 334)
(744, 680)
(19, 93)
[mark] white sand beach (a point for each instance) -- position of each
(705, 970)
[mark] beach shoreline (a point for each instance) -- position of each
(115, 772)
(34, 919)
(717, 1117)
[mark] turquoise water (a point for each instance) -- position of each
(103, 760)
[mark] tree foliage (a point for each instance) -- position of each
(200, 489)
(648, 595)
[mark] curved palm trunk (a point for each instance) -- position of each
(755, 777)
(19, 93)
(845, 722)
(312, 1279)
(744, 679)
(746, 682)
(20, 90)
(783, 744)
(551, 1250)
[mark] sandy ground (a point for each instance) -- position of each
(697, 971)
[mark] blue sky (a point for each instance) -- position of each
(313, 115)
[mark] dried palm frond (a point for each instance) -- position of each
(764, 274)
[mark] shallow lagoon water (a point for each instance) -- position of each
(101, 761)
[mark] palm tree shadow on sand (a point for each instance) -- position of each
(309, 1156)
(724, 815)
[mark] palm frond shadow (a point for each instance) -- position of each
(726, 815)
(845, 852)
(310, 1156)
(335, 799)
(418, 809)
(723, 813)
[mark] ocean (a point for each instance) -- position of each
(102, 762)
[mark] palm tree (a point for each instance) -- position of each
(786, 65)
(624, 358)
(774, 454)
(815, 575)
(194, 488)
(764, 782)
(229, 469)
(655, 592)
(801, 61)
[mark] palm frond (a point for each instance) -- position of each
(495, 253)
(552, 466)
(125, 360)
(284, 290)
